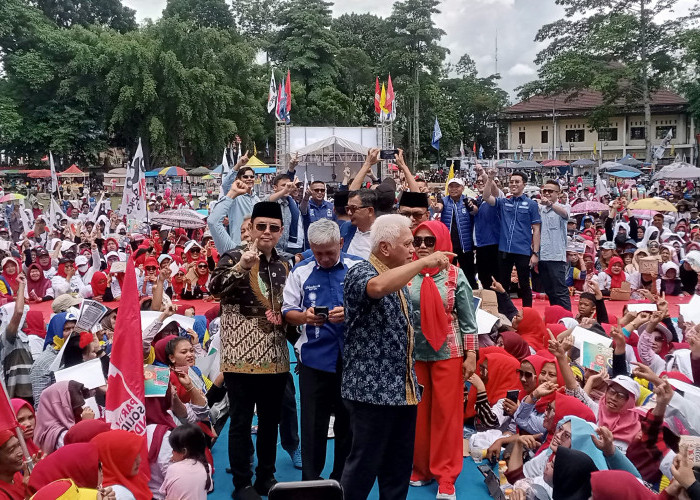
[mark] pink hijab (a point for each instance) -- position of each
(624, 425)
(54, 416)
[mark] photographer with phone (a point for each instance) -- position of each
(313, 300)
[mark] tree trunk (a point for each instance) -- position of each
(646, 99)
(416, 113)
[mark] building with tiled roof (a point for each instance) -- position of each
(557, 127)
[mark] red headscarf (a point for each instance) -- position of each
(565, 406)
(11, 279)
(502, 376)
(616, 280)
(434, 321)
(620, 485)
(552, 314)
(77, 461)
(548, 357)
(532, 328)
(17, 405)
(85, 430)
(34, 324)
(117, 450)
(39, 286)
(151, 262)
(104, 247)
(515, 345)
(99, 283)
(178, 286)
(203, 278)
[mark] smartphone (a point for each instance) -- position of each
(321, 311)
(388, 154)
(512, 395)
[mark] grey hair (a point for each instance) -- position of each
(388, 228)
(323, 231)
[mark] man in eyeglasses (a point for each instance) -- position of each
(314, 205)
(361, 208)
(254, 352)
(552, 263)
(414, 206)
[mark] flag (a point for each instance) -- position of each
(437, 135)
(272, 94)
(282, 106)
(377, 98)
(280, 96)
(389, 96)
(8, 419)
(600, 189)
(461, 149)
(134, 197)
(392, 115)
(595, 148)
(255, 149)
(267, 148)
(481, 152)
(450, 176)
(288, 91)
(54, 179)
(382, 100)
(224, 173)
(531, 156)
(125, 407)
(659, 151)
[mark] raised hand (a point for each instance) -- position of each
(544, 389)
(250, 257)
(496, 286)
(372, 156)
(604, 441)
(440, 260)
(238, 188)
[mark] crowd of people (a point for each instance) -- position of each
(377, 294)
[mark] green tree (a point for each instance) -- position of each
(203, 13)
(107, 13)
(306, 44)
(623, 48)
(255, 20)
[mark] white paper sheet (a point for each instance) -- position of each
(637, 308)
(484, 321)
(88, 373)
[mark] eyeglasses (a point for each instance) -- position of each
(262, 227)
(548, 191)
(614, 393)
(247, 177)
(524, 374)
(351, 209)
(202, 266)
(414, 215)
(195, 250)
(563, 435)
(320, 190)
(659, 339)
(150, 268)
(428, 241)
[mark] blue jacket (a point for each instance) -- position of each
(465, 221)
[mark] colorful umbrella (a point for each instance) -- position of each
(173, 172)
(588, 206)
(11, 197)
(658, 204)
(207, 177)
(181, 217)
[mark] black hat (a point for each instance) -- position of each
(411, 199)
(269, 209)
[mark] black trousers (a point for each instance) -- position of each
(320, 396)
(553, 277)
(466, 263)
(382, 449)
(487, 265)
(522, 265)
(245, 392)
(289, 421)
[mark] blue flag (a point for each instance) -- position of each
(481, 152)
(437, 135)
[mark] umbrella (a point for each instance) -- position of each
(181, 217)
(11, 197)
(588, 206)
(653, 204)
(644, 214)
(38, 174)
(207, 177)
(630, 161)
(173, 172)
(554, 163)
(623, 174)
(619, 167)
(528, 164)
(681, 173)
(507, 163)
(200, 171)
(584, 162)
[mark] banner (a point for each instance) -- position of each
(134, 197)
(272, 94)
(125, 406)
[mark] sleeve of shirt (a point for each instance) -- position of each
(535, 213)
(225, 277)
(355, 288)
(464, 307)
(483, 410)
(219, 234)
(292, 293)
(528, 419)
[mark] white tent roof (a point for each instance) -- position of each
(330, 141)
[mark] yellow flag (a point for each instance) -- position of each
(255, 149)
(450, 176)
(595, 148)
(382, 100)
(673, 150)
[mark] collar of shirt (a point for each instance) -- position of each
(337, 265)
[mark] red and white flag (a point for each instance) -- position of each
(8, 419)
(377, 96)
(126, 407)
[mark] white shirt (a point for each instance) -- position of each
(360, 245)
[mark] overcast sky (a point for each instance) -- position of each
(471, 27)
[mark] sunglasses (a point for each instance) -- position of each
(321, 190)
(262, 227)
(414, 215)
(351, 209)
(524, 374)
(428, 241)
(195, 250)
(151, 268)
(202, 266)
(247, 177)
(548, 191)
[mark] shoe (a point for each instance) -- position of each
(446, 491)
(331, 431)
(419, 482)
(247, 493)
(296, 457)
(263, 487)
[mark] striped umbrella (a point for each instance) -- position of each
(173, 172)
(181, 217)
(11, 197)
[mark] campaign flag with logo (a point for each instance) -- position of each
(134, 197)
(437, 135)
(272, 94)
(377, 106)
(481, 152)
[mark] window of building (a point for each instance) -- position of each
(607, 134)
(575, 135)
(544, 137)
(662, 130)
(637, 133)
(521, 137)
